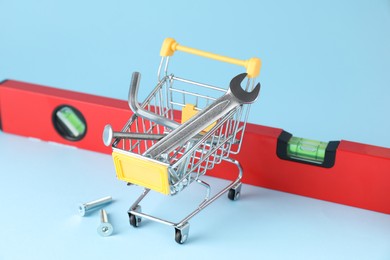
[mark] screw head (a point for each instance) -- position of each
(105, 229)
(82, 210)
(107, 135)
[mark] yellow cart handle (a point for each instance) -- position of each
(252, 65)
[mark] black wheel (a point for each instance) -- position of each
(133, 220)
(181, 233)
(178, 237)
(233, 194)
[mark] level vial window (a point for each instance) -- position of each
(69, 123)
(305, 149)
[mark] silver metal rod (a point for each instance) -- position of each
(138, 136)
(156, 219)
(208, 189)
(199, 84)
(188, 93)
(204, 204)
(140, 198)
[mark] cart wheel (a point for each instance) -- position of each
(133, 219)
(234, 193)
(181, 233)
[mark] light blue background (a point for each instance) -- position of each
(326, 64)
(325, 76)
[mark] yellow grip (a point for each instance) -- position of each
(252, 65)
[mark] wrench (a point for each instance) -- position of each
(234, 97)
(140, 111)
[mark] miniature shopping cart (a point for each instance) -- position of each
(173, 102)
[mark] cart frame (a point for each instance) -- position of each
(170, 173)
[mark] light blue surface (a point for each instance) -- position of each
(41, 185)
(325, 76)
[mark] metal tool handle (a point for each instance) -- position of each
(235, 97)
(252, 65)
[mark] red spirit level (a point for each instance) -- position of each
(344, 172)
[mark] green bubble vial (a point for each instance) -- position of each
(72, 122)
(306, 149)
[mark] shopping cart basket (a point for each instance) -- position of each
(171, 104)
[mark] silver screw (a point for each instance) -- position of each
(85, 208)
(108, 134)
(105, 228)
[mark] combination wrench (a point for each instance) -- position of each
(234, 97)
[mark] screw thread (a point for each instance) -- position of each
(103, 216)
(98, 202)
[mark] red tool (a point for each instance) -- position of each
(348, 173)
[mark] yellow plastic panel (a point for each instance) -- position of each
(142, 172)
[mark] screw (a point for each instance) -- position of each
(84, 208)
(105, 228)
(108, 134)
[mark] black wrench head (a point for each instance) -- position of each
(243, 96)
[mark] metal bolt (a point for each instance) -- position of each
(108, 134)
(85, 208)
(105, 228)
